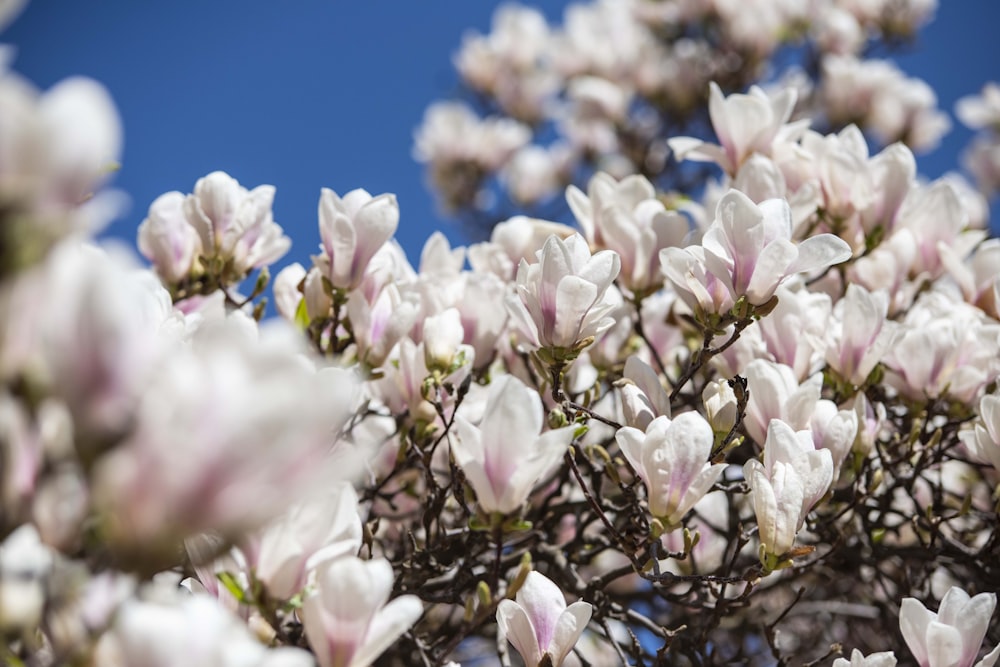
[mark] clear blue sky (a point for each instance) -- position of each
(327, 93)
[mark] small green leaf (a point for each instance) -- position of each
(229, 581)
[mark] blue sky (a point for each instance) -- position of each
(327, 93)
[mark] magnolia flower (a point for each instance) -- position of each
(625, 216)
(235, 225)
(379, 325)
(671, 457)
(168, 240)
(859, 334)
(749, 248)
(562, 302)
(505, 456)
(539, 624)
(348, 618)
(744, 124)
(353, 228)
(792, 478)
(56, 149)
(952, 636)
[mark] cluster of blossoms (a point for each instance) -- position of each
(606, 90)
(752, 429)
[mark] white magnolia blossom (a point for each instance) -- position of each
(744, 124)
(562, 301)
(671, 457)
(505, 456)
(953, 636)
(353, 228)
(749, 250)
(56, 149)
(539, 624)
(859, 334)
(786, 486)
(625, 216)
(348, 617)
(981, 111)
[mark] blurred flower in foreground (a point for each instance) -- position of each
(539, 624)
(180, 631)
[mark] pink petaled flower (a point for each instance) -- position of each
(562, 302)
(235, 225)
(749, 248)
(348, 617)
(671, 457)
(625, 216)
(859, 334)
(951, 637)
(792, 478)
(353, 228)
(744, 124)
(505, 456)
(539, 624)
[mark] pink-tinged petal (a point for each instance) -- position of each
(914, 619)
(944, 645)
(544, 603)
(574, 297)
(648, 381)
(819, 252)
(467, 449)
(375, 223)
(513, 413)
(514, 626)
(388, 624)
(971, 616)
(571, 624)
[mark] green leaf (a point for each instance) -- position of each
(302, 315)
(229, 581)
